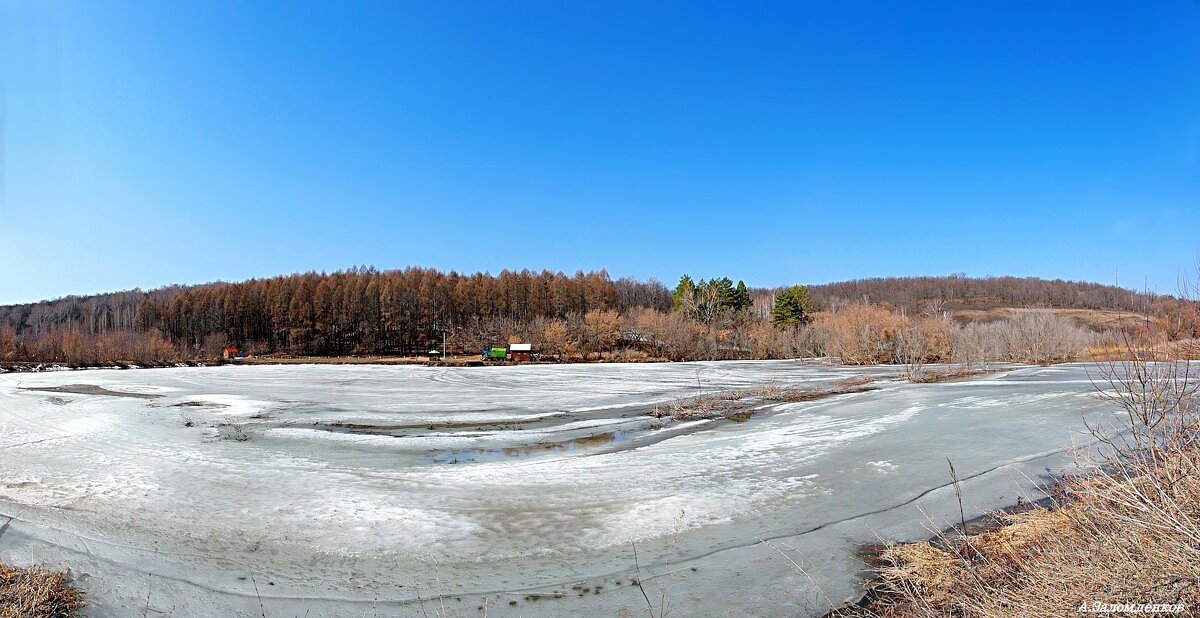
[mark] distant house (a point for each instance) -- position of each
(520, 351)
(230, 352)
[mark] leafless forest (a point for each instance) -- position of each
(364, 311)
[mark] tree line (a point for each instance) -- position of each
(357, 311)
(363, 311)
(911, 292)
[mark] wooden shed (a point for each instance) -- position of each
(520, 351)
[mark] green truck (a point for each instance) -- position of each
(495, 354)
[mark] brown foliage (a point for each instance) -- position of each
(869, 334)
(359, 311)
(556, 336)
(861, 334)
(601, 330)
(80, 349)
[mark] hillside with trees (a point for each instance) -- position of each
(363, 311)
(913, 292)
(358, 311)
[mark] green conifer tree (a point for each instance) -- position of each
(791, 307)
(741, 298)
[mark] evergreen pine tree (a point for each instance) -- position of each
(726, 295)
(791, 307)
(741, 297)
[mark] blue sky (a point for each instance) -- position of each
(149, 143)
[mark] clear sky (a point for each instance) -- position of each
(149, 143)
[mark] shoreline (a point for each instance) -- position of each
(871, 554)
(947, 373)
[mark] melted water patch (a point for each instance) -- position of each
(573, 445)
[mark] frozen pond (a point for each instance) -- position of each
(370, 490)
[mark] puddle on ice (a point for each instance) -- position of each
(571, 446)
(90, 389)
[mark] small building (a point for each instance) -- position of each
(230, 352)
(520, 351)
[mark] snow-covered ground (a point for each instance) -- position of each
(371, 490)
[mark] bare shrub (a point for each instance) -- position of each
(1030, 337)
(601, 331)
(1158, 394)
(766, 341)
(1044, 337)
(974, 344)
(674, 334)
(8, 343)
(555, 337)
(861, 334)
(233, 430)
(82, 349)
(868, 334)
(911, 350)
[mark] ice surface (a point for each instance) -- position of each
(368, 490)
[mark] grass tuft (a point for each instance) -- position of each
(36, 592)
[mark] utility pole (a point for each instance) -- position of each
(443, 345)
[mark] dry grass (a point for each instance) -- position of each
(849, 383)
(774, 394)
(1114, 539)
(950, 375)
(736, 404)
(1119, 351)
(35, 592)
(1103, 352)
(1095, 319)
(723, 404)
(1129, 533)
